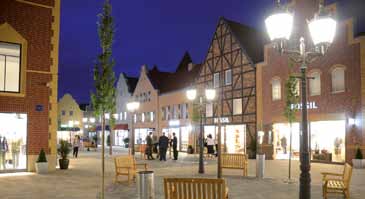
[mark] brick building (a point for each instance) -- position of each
(336, 95)
(29, 35)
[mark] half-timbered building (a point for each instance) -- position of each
(229, 68)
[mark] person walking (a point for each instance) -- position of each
(163, 143)
(149, 148)
(174, 146)
(76, 145)
(210, 145)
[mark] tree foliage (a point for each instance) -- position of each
(103, 100)
(291, 96)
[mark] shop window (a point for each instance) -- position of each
(216, 80)
(276, 89)
(228, 77)
(9, 67)
(315, 84)
(338, 80)
(152, 116)
(237, 106)
(209, 110)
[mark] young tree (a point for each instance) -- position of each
(103, 99)
(292, 98)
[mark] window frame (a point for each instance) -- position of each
(311, 83)
(233, 106)
(20, 68)
(214, 82)
(272, 89)
(343, 68)
(225, 77)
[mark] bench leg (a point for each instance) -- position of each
(347, 194)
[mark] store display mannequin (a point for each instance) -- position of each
(15, 151)
(3, 150)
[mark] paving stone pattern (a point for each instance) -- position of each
(82, 180)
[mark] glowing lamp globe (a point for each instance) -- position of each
(279, 25)
(210, 94)
(322, 30)
(191, 94)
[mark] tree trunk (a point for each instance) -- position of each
(102, 155)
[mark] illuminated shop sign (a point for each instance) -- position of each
(222, 120)
(310, 105)
(174, 123)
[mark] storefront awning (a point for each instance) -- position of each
(121, 127)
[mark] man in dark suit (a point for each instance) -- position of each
(174, 145)
(149, 146)
(163, 143)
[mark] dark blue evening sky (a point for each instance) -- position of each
(147, 32)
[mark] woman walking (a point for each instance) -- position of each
(210, 145)
(76, 145)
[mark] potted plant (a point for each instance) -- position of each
(337, 144)
(41, 166)
(358, 162)
(63, 151)
(126, 142)
(190, 149)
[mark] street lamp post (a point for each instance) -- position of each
(209, 95)
(322, 29)
(132, 107)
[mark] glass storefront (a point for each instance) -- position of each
(119, 136)
(13, 139)
(184, 138)
(168, 132)
(233, 137)
(327, 140)
(140, 135)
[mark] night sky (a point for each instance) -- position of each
(147, 32)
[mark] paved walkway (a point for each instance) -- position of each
(82, 180)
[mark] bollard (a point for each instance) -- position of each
(260, 166)
(146, 188)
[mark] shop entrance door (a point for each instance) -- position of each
(233, 137)
(13, 139)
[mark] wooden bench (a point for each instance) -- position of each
(235, 161)
(195, 188)
(88, 145)
(338, 183)
(126, 166)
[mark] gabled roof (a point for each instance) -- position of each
(181, 78)
(131, 82)
(251, 40)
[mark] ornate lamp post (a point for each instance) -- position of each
(322, 29)
(132, 107)
(191, 94)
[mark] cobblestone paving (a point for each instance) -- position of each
(82, 180)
